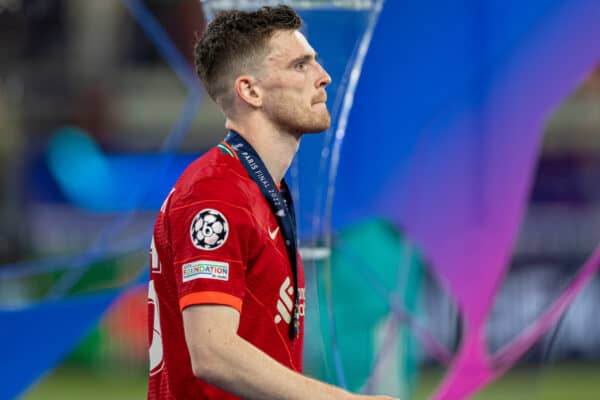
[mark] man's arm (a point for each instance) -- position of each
(222, 358)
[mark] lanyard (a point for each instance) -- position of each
(281, 205)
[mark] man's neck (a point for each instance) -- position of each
(276, 148)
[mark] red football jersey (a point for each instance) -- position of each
(216, 241)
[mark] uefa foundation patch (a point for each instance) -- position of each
(205, 270)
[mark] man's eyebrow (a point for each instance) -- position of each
(303, 58)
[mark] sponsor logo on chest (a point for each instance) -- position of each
(285, 303)
(204, 269)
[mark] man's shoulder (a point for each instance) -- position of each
(213, 175)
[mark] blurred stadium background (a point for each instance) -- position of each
(90, 73)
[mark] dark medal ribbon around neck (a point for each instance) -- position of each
(282, 206)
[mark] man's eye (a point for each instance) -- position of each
(300, 66)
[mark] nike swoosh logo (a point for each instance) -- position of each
(273, 234)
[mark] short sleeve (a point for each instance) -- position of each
(211, 228)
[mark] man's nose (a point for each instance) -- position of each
(324, 78)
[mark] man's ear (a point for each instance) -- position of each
(247, 90)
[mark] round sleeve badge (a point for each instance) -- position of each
(209, 229)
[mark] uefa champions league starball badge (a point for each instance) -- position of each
(209, 229)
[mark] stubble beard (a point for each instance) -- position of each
(299, 121)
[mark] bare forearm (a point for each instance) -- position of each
(222, 358)
(238, 367)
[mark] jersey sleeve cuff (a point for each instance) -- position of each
(210, 298)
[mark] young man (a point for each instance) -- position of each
(226, 289)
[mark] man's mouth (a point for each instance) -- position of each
(320, 99)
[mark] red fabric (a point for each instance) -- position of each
(253, 274)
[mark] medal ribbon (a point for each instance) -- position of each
(282, 206)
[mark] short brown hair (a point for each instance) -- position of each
(233, 42)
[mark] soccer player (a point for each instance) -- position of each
(226, 291)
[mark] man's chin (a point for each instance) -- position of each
(317, 128)
(320, 126)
